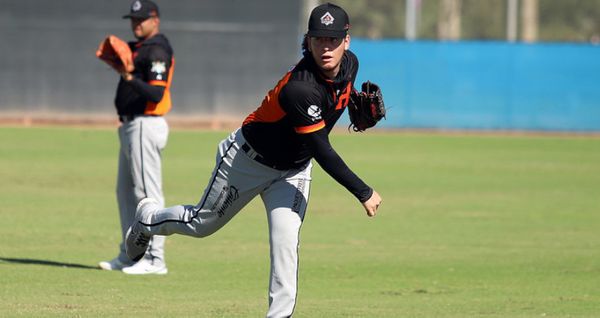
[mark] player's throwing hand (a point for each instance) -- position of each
(372, 204)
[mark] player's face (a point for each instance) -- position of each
(328, 53)
(144, 28)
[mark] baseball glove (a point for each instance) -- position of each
(366, 107)
(116, 53)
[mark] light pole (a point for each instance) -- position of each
(411, 19)
(511, 20)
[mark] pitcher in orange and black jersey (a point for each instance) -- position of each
(143, 98)
(270, 156)
(293, 123)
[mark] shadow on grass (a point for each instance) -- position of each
(29, 261)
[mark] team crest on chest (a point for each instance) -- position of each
(327, 19)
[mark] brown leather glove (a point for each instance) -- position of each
(116, 53)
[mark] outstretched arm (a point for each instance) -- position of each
(333, 164)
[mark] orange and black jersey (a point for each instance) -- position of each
(149, 91)
(294, 120)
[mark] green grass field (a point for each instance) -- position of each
(470, 226)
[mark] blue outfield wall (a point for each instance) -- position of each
(484, 85)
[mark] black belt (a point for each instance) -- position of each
(262, 160)
(124, 118)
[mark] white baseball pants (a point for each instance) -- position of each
(139, 176)
(235, 181)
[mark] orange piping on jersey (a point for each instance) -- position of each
(270, 111)
(164, 106)
(329, 81)
(158, 83)
(311, 128)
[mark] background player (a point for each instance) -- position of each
(270, 156)
(142, 99)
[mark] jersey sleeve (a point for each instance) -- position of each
(332, 164)
(150, 92)
(303, 104)
(159, 65)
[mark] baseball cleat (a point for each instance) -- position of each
(113, 265)
(136, 242)
(145, 267)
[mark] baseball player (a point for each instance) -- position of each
(270, 155)
(142, 99)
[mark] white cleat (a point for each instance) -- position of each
(113, 265)
(146, 267)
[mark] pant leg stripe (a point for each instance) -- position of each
(142, 172)
(298, 247)
(204, 199)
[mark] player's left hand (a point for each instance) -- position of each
(372, 204)
(366, 108)
(116, 53)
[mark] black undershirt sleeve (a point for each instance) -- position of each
(150, 92)
(333, 164)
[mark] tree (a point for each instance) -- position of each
(557, 20)
(449, 20)
(529, 20)
(375, 19)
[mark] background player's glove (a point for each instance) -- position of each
(116, 53)
(366, 108)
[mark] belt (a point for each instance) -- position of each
(252, 154)
(124, 118)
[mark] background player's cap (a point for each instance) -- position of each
(142, 9)
(328, 20)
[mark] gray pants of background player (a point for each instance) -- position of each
(235, 181)
(139, 176)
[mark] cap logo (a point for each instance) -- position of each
(136, 6)
(327, 19)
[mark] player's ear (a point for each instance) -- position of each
(305, 44)
(347, 42)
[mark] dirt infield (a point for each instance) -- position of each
(231, 122)
(104, 121)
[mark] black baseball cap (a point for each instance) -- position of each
(328, 20)
(142, 9)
